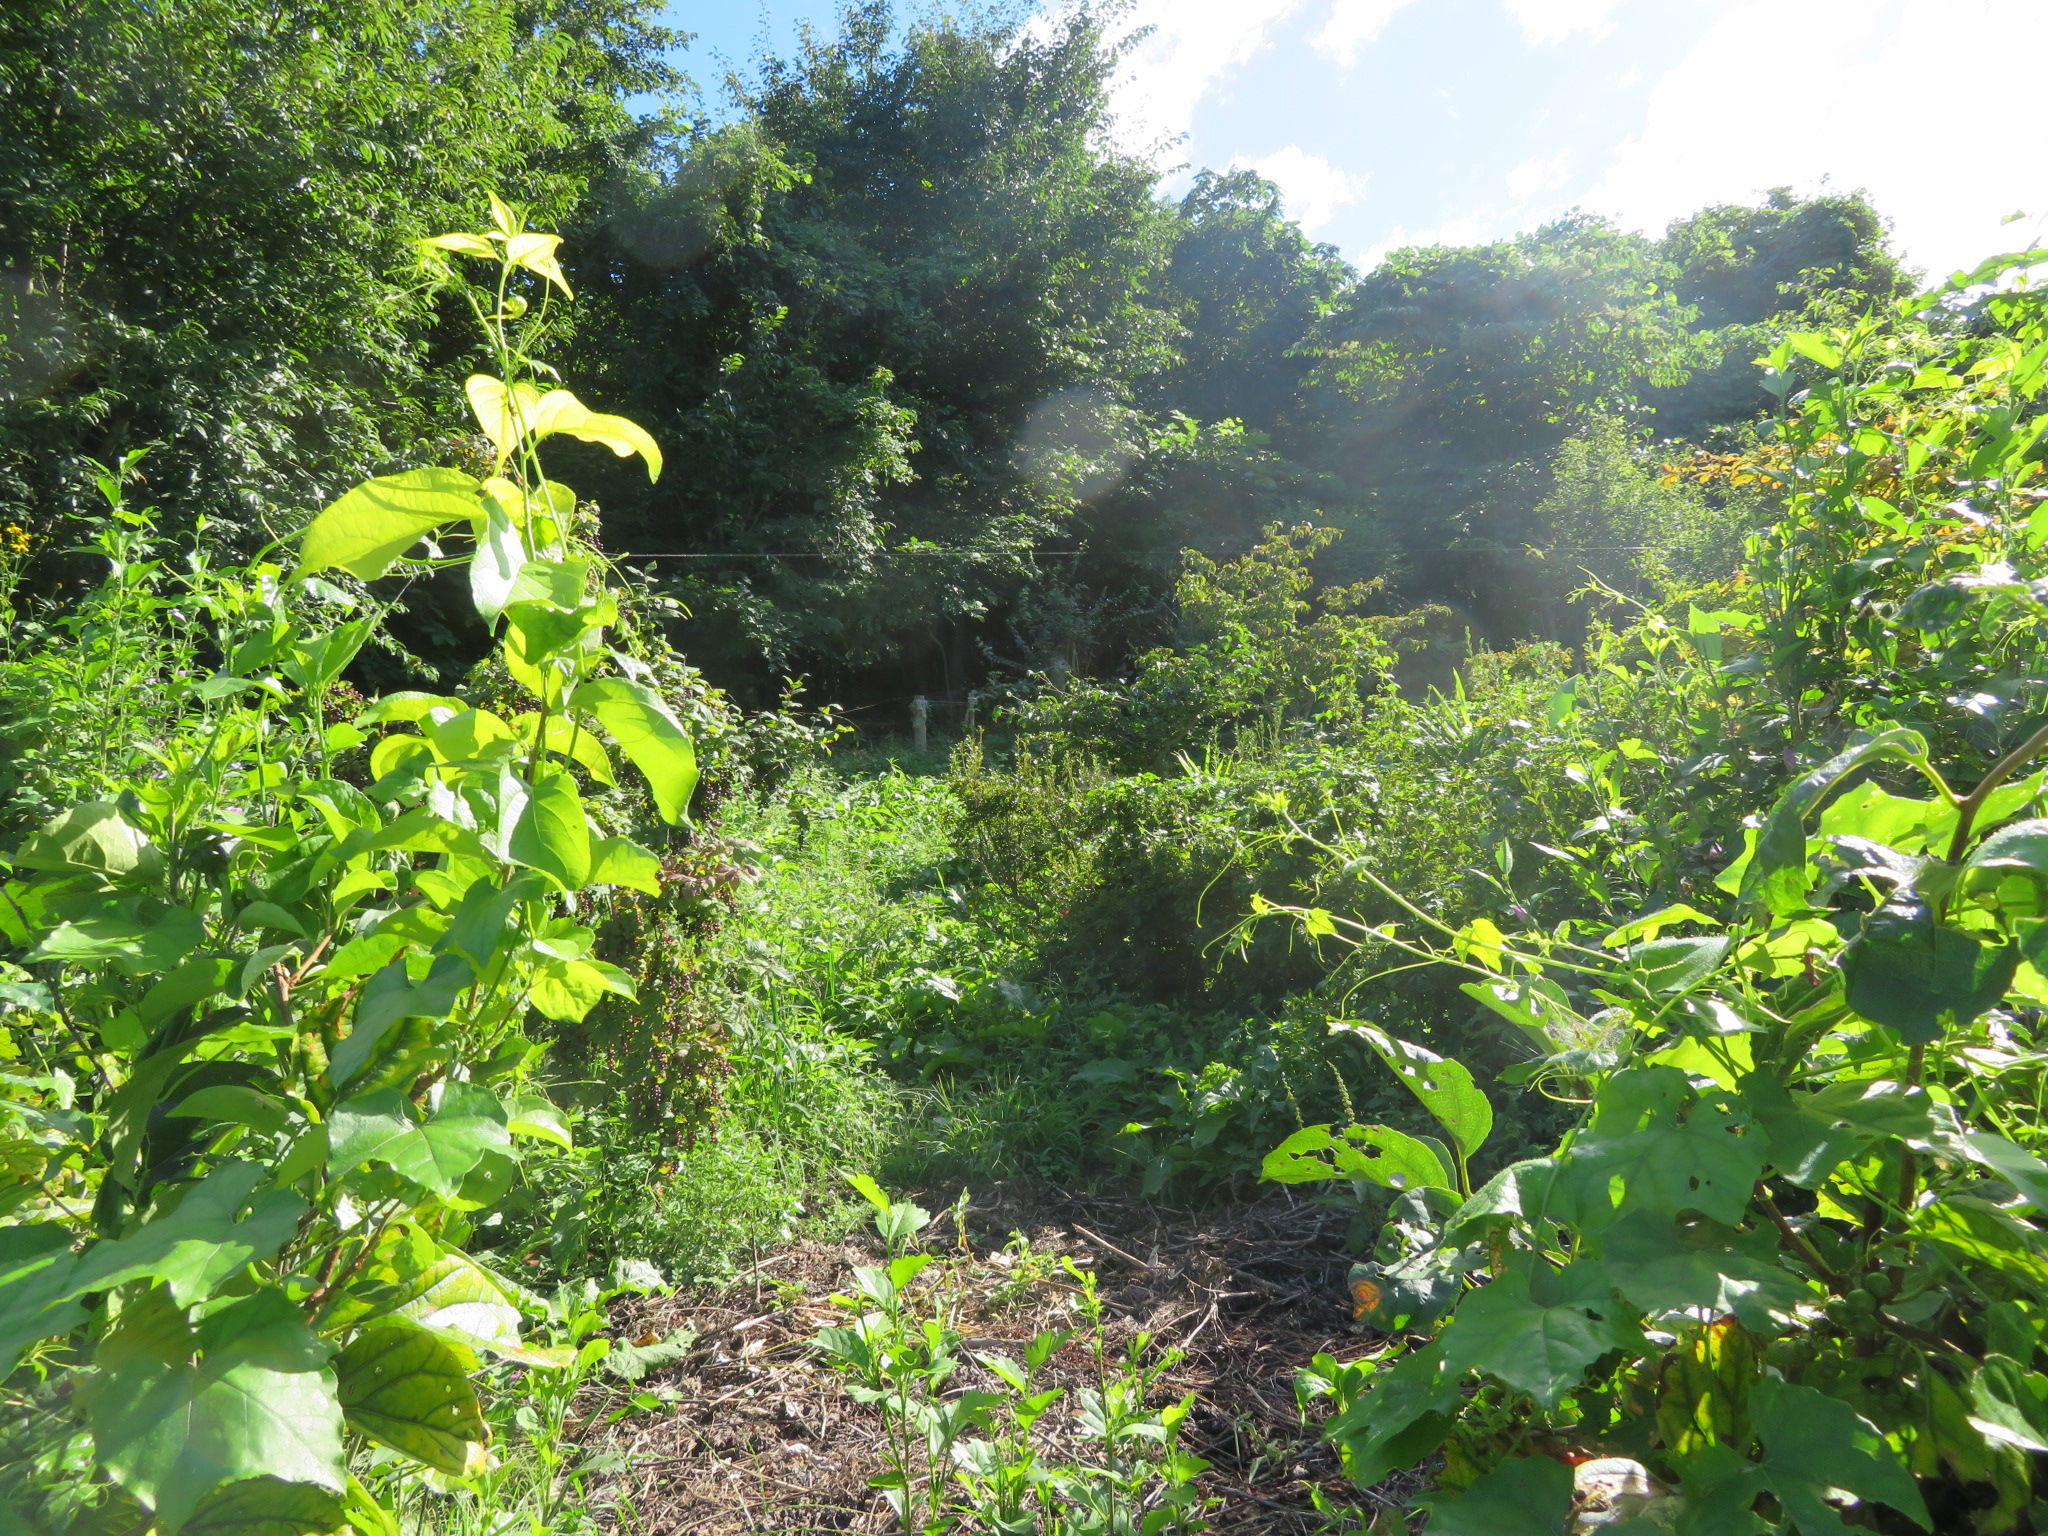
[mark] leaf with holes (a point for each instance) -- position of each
(1444, 1087)
(1538, 1329)
(1649, 1149)
(1376, 1154)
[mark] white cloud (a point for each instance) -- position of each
(1194, 44)
(1311, 189)
(1552, 21)
(1889, 112)
(1352, 25)
(1534, 175)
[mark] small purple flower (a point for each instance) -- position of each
(1519, 912)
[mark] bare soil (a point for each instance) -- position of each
(763, 1439)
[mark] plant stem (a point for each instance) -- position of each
(1909, 1163)
(1966, 813)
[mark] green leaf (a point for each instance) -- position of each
(1812, 1132)
(1445, 1087)
(443, 1289)
(36, 1264)
(566, 990)
(265, 1506)
(232, 1104)
(553, 831)
(494, 568)
(1399, 1419)
(409, 1389)
(534, 1116)
(90, 838)
(390, 995)
(201, 1242)
(1647, 1149)
(2010, 1404)
(1979, 1230)
(1523, 1190)
(1678, 965)
(258, 1401)
(372, 525)
(2012, 1163)
(620, 861)
(1375, 1153)
(1523, 1496)
(635, 717)
(1538, 1330)
(1813, 1444)
(2023, 845)
(1666, 1266)
(1776, 875)
(379, 1128)
(1919, 976)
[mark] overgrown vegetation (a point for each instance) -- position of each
(1540, 747)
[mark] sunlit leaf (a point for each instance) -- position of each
(372, 525)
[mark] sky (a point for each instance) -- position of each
(1413, 122)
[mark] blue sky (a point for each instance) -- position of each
(1394, 122)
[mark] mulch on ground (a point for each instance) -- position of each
(762, 1438)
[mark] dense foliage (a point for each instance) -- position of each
(1540, 744)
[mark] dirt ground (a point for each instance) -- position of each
(762, 1438)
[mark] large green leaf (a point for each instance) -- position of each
(1523, 1496)
(1651, 1151)
(2009, 1404)
(634, 716)
(1376, 1154)
(1907, 970)
(257, 1401)
(265, 1506)
(1400, 1419)
(620, 861)
(1978, 1230)
(1812, 1132)
(390, 995)
(36, 1265)
(1538, 1328)
(566, 990)
(553, 831)
(379, 1128)
(1776, 876)
(372, 525)
(1445, 1087)
(1814, 1444)
(92, 838)
(409, 1389)
(494, 568)
(201, 1242)
(1662, 1265)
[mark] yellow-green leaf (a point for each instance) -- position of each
(553, 833)
(634, 716)
(409, 1389)
(372, 525)
(536, 253)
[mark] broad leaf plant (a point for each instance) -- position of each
(1790, 1257)
(281, 1066)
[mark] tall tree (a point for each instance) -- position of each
(891, 328)
(204, 205)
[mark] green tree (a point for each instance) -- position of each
(891, 328)
(202, 203)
